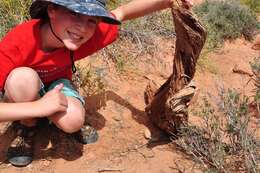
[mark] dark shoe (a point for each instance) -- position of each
(87, 135)
(20, 153)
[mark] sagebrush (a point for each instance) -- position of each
(252, 4)
(226, 19)
(226, 141)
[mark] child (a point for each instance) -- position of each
(39, 54)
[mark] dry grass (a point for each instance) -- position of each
(226, 141)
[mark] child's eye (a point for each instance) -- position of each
(74, 13)
(92, 21)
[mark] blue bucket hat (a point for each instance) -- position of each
(38, 9)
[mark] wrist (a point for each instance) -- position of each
(37, 108)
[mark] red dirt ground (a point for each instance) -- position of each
(119, 116)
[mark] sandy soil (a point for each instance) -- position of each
(119, 116)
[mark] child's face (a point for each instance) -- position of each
(72, 28)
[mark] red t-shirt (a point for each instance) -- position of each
(21, 48)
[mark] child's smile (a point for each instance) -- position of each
(75, 37)
(71, 28)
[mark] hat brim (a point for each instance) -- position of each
(38, 10)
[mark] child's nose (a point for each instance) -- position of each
(84, 25)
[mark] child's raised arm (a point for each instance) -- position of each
(138, 8)
(52, 102)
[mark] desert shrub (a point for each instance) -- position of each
(89, 79)
(255, 66)
(137, 37)
(12, 12)
(140, 35)
(158, 23)
(225, 19)
(204, 63)
(225, 143)
(252, 4)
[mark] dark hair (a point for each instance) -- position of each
(42, 12)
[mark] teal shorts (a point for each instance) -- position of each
(67, 90)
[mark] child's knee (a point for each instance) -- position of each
(73, 120)
(22, 84)
(22, 77)
(72, 124)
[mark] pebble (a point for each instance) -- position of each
(117, 118)
(147, 134)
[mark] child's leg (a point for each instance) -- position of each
(22, 85)
(73, 119)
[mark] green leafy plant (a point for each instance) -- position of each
(225, 19)
(89, 80)
(252, 4)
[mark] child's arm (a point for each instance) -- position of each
(138, 8)
(52, 102)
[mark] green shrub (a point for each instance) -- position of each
(252, 4)
(137, 37)
(12, 12)
(225, 141)
(226, 19)
(255, 66)
(89, 79)
(156, 24)
(159, 23)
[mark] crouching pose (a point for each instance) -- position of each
(37, 62)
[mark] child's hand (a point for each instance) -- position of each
(53, 101)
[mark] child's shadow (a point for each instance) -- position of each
(49, 143)
(98, 101)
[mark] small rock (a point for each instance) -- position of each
(117, 118)
(147, 153)
(46, 162)
(147, 134)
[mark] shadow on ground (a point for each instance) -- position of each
(50, 143)
(98, 101)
